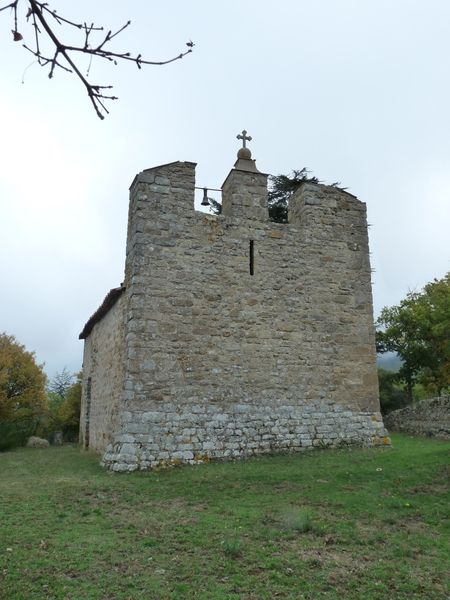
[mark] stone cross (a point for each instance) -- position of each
(244, 137)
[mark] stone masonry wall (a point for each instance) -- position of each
(103, 376)
(172, 434)
(429, 417)
(220, 362)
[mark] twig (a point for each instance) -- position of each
(41, 16)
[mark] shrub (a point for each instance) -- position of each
(15, 433)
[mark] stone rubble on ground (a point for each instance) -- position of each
(37, 442)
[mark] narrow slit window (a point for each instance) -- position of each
(252, 257)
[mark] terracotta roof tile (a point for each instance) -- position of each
(110, 299)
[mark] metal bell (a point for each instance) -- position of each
(205, 201)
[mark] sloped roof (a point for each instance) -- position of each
(110, 299)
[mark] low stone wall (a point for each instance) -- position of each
(429, 417)
(191, 434)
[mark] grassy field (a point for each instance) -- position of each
(345, 524)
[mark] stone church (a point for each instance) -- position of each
(232, 335)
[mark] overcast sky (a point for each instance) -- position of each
(358, 91)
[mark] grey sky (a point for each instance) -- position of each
(355, 90)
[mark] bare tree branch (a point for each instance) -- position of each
(43, 19)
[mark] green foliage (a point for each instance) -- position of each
(435, 311)
(420, 392)
(23, 402)
(54, 401)
(69, 529)
(69, 411)
(214, 206)
(392, 391)
(281, 188)
(418, 330)
(15, 433)
(63, 410)
(61, 383)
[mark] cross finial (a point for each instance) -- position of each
(244, 137)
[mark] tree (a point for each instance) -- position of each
(44, 20)
(22, 392)
(61, 383)
(434, 309)
(64, 404)
(418, 330)
(69, 411)
(281, 189)
(392, 392)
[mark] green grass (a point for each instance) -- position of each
(335, 524)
